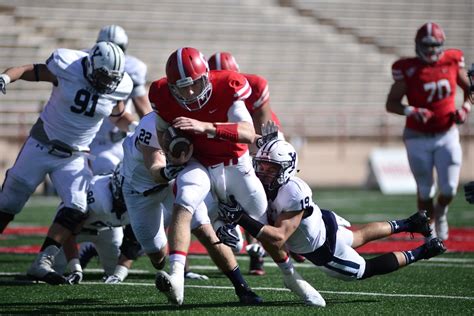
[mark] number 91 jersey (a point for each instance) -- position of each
(431, 86)
(75, 110)
(133, 168)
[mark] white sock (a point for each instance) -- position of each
(286, 267)
(121, 272)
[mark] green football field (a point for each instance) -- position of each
(440, 286)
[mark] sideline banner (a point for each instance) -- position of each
(389, 168)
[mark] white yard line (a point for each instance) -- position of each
(276, 289)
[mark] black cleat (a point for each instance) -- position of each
(249, 297)
(256, 265)
(433, 248)
(51, 278)
(419, 223)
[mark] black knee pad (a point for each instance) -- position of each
(71, 219)
(380, 265)
(130, 247)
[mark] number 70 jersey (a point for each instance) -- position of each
(431, 86)
(75, 110)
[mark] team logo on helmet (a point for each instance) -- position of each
(105, 67)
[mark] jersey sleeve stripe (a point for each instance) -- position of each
(263, 98)
(244, 92)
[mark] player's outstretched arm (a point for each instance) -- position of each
(31, 72)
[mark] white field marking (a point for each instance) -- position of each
(277, 289)
(470, 298)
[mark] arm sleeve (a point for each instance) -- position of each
(238, 113)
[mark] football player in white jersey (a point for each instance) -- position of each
(107, 145)
(107, 215)
(321, 236)
(148, 192)
(87, 87)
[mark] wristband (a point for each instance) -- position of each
(227, 131)
(74, 265)
(6, 78)
(252, 226)
(408, 110)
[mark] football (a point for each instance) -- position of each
(175, 142)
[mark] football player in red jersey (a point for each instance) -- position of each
(258, 105)
(209, 106)
(431, 137)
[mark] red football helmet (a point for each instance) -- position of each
(429, 42)
(223, 61)
(187, 72)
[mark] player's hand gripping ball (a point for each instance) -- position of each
(177, 145)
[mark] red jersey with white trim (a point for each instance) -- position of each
(431, 86)
(227, 87)
(260, 95)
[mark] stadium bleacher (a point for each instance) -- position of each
(327, 61)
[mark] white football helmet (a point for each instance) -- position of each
(105, 67)
(114, 34)
(275, 162)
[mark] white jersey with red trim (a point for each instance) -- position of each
(295, 196)
(75, 110)
(133, 168)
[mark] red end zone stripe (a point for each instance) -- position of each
(460, 240)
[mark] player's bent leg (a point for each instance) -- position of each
(441, 216)
(225, 260)
(13, 197)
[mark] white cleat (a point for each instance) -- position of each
(170, 285)
(303, 289)
(41, 269)
(442, 229)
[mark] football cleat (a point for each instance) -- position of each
(41, 269)
(297, 257)
(256, 265)
(433, 248)
(442, 228)
(248, 297)
(171, 286)
(419, 223)
(303, 289)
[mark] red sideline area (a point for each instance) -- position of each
(460, 240)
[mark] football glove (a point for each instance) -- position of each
(228, 236)
(195, 276)
(171, 171)
(469, 192)
(421, 115)
(460, 115)
(4, 80)
(269, 133)
(113, 279)
(255, 250)
(231, 212)
(74, 278)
